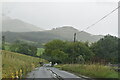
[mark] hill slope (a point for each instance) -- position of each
(16, 25)
(40, 37)
(63, 33)
(68, 32)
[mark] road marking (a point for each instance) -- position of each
(56, 76)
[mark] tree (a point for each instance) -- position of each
(106, 49)
(23, 48)
(54, 51)
(75, 49)
(59, 56)
(80, 59)
(55, 44)
(66, 52)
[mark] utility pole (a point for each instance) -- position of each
(74, 49)
(3, 42)
(74, 37)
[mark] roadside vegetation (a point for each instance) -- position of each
(84, 58)
(90, 70)
(81, 58)
(104, 51)
(16, 65)
(19, 58)
(23, 47)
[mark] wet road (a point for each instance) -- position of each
(52, 73)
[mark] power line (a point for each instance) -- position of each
(100, 19)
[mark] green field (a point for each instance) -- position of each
(17, 65)
(40, 51)
(93, 70)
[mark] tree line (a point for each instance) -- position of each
(20, 47)
(103, 51)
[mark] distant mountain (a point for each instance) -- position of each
(62, 33)
(16, 25)
(68, 32)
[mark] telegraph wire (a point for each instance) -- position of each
(96, 22)
(100, 19)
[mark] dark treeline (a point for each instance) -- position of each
(22, 47)
(103, 51)
(106, 49)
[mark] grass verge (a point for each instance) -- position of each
(93, 70)
(16, 65)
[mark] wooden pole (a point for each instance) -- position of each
(74, 37)
(3, 42)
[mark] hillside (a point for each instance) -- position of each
(40, 37)
(17, 64)
(16, 25)
(62, 33)
(68, 31)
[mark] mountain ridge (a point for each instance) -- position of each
(17, 25)
(68, 32)
(48, 35)
(15, 29)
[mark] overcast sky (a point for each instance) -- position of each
(48, 15)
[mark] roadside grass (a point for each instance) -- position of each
(17, 65)
(92, 70)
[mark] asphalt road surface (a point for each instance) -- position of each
(52, 73)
